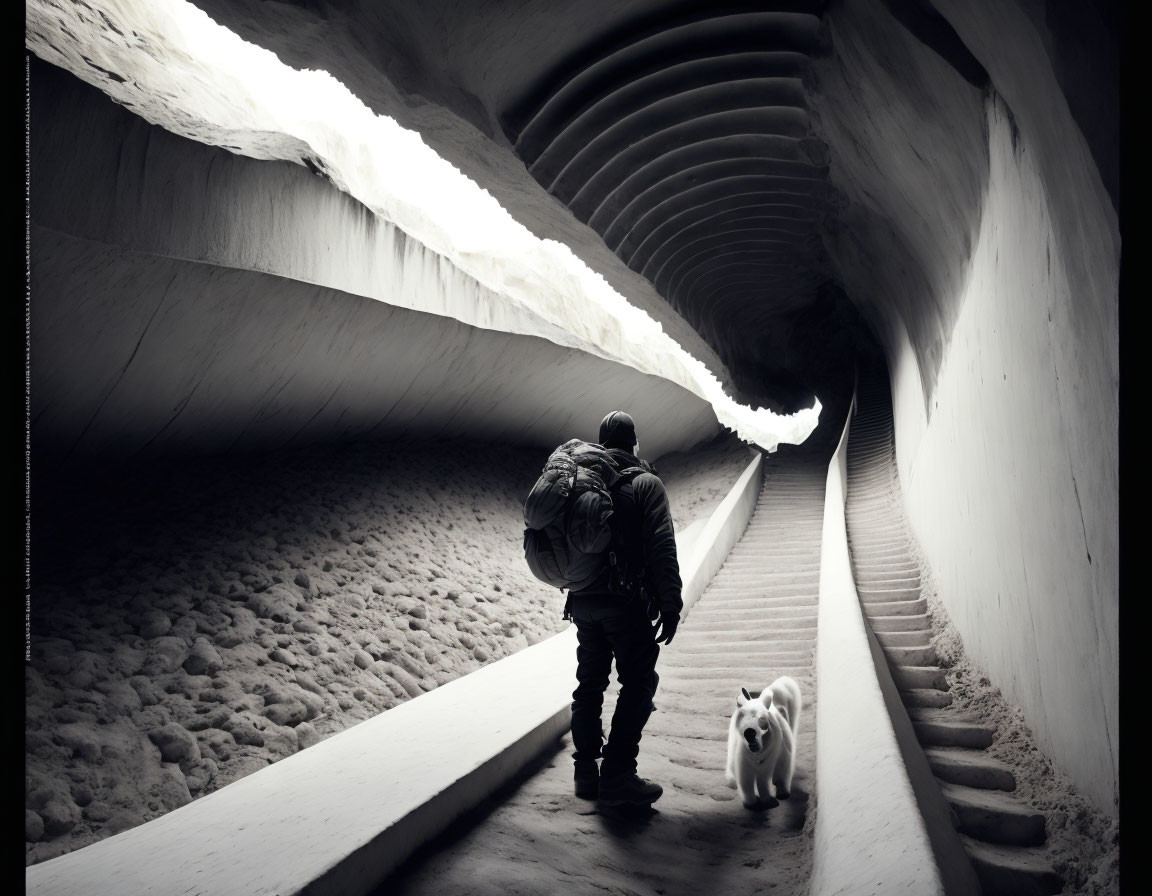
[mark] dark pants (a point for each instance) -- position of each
(605, 628)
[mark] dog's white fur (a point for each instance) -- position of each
(770, 722)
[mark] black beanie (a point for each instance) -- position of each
(618, 430)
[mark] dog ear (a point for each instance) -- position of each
(743, 697)
(766, 697)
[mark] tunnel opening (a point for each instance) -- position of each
(787, 191)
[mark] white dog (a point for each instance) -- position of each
(762, 742)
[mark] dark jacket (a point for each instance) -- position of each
(643, 534)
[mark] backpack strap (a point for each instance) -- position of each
(624, 577)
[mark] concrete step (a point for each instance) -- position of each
(903, 566)
(756, 600)
(802, 555)
(875, 466)
(895, 608)
(772, 589)
(909, 574)
(704, 611)
(902, 569)
(743, 600)
(703, 660)
(732, 578)
(765, 562)
(869, 480)
(881, 518)
(874, 497)
(788, 544)
(909, 678)
(794, 531)
(889, 549)
(972, 768)
(920, 638)
(948, 733)
(770, 554)
(736, 673)
(876, 595)
(885, 580)
(738, 639)
(994, 817)
(877, 451)
(737, 599)
(768, 578)
(868, 439)
(876, 500)
(876, 515)
(751, 623)
(789, 509)
(928, 714)
(898, 623)
(892, 550)
(876, 534)
(925, 697)
(753, 561)
(868, 526)
(759, 562)
(1012, 871)
(911, 656)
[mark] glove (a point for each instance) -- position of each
(666, 630)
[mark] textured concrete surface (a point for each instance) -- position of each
(137, 355)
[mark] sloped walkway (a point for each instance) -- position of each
(757, 620)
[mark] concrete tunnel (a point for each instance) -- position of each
(794, 191)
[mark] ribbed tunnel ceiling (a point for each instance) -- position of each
(771, 174)
(679, 133)
(686, 144)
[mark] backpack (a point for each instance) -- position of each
(568, 515)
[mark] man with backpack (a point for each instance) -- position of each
(612, 617)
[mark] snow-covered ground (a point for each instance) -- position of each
(195, 622)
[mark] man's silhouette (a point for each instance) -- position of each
(612, 622)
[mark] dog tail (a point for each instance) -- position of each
(794, 702)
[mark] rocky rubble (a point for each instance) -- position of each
(193, 623)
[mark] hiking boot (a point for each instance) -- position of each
(628, 790)
(587, 778)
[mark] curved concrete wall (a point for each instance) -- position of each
(186, 299)
(1013, 484)
(985, 249)
(136, 355)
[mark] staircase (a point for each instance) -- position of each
(1002, 835)
(756, 620)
